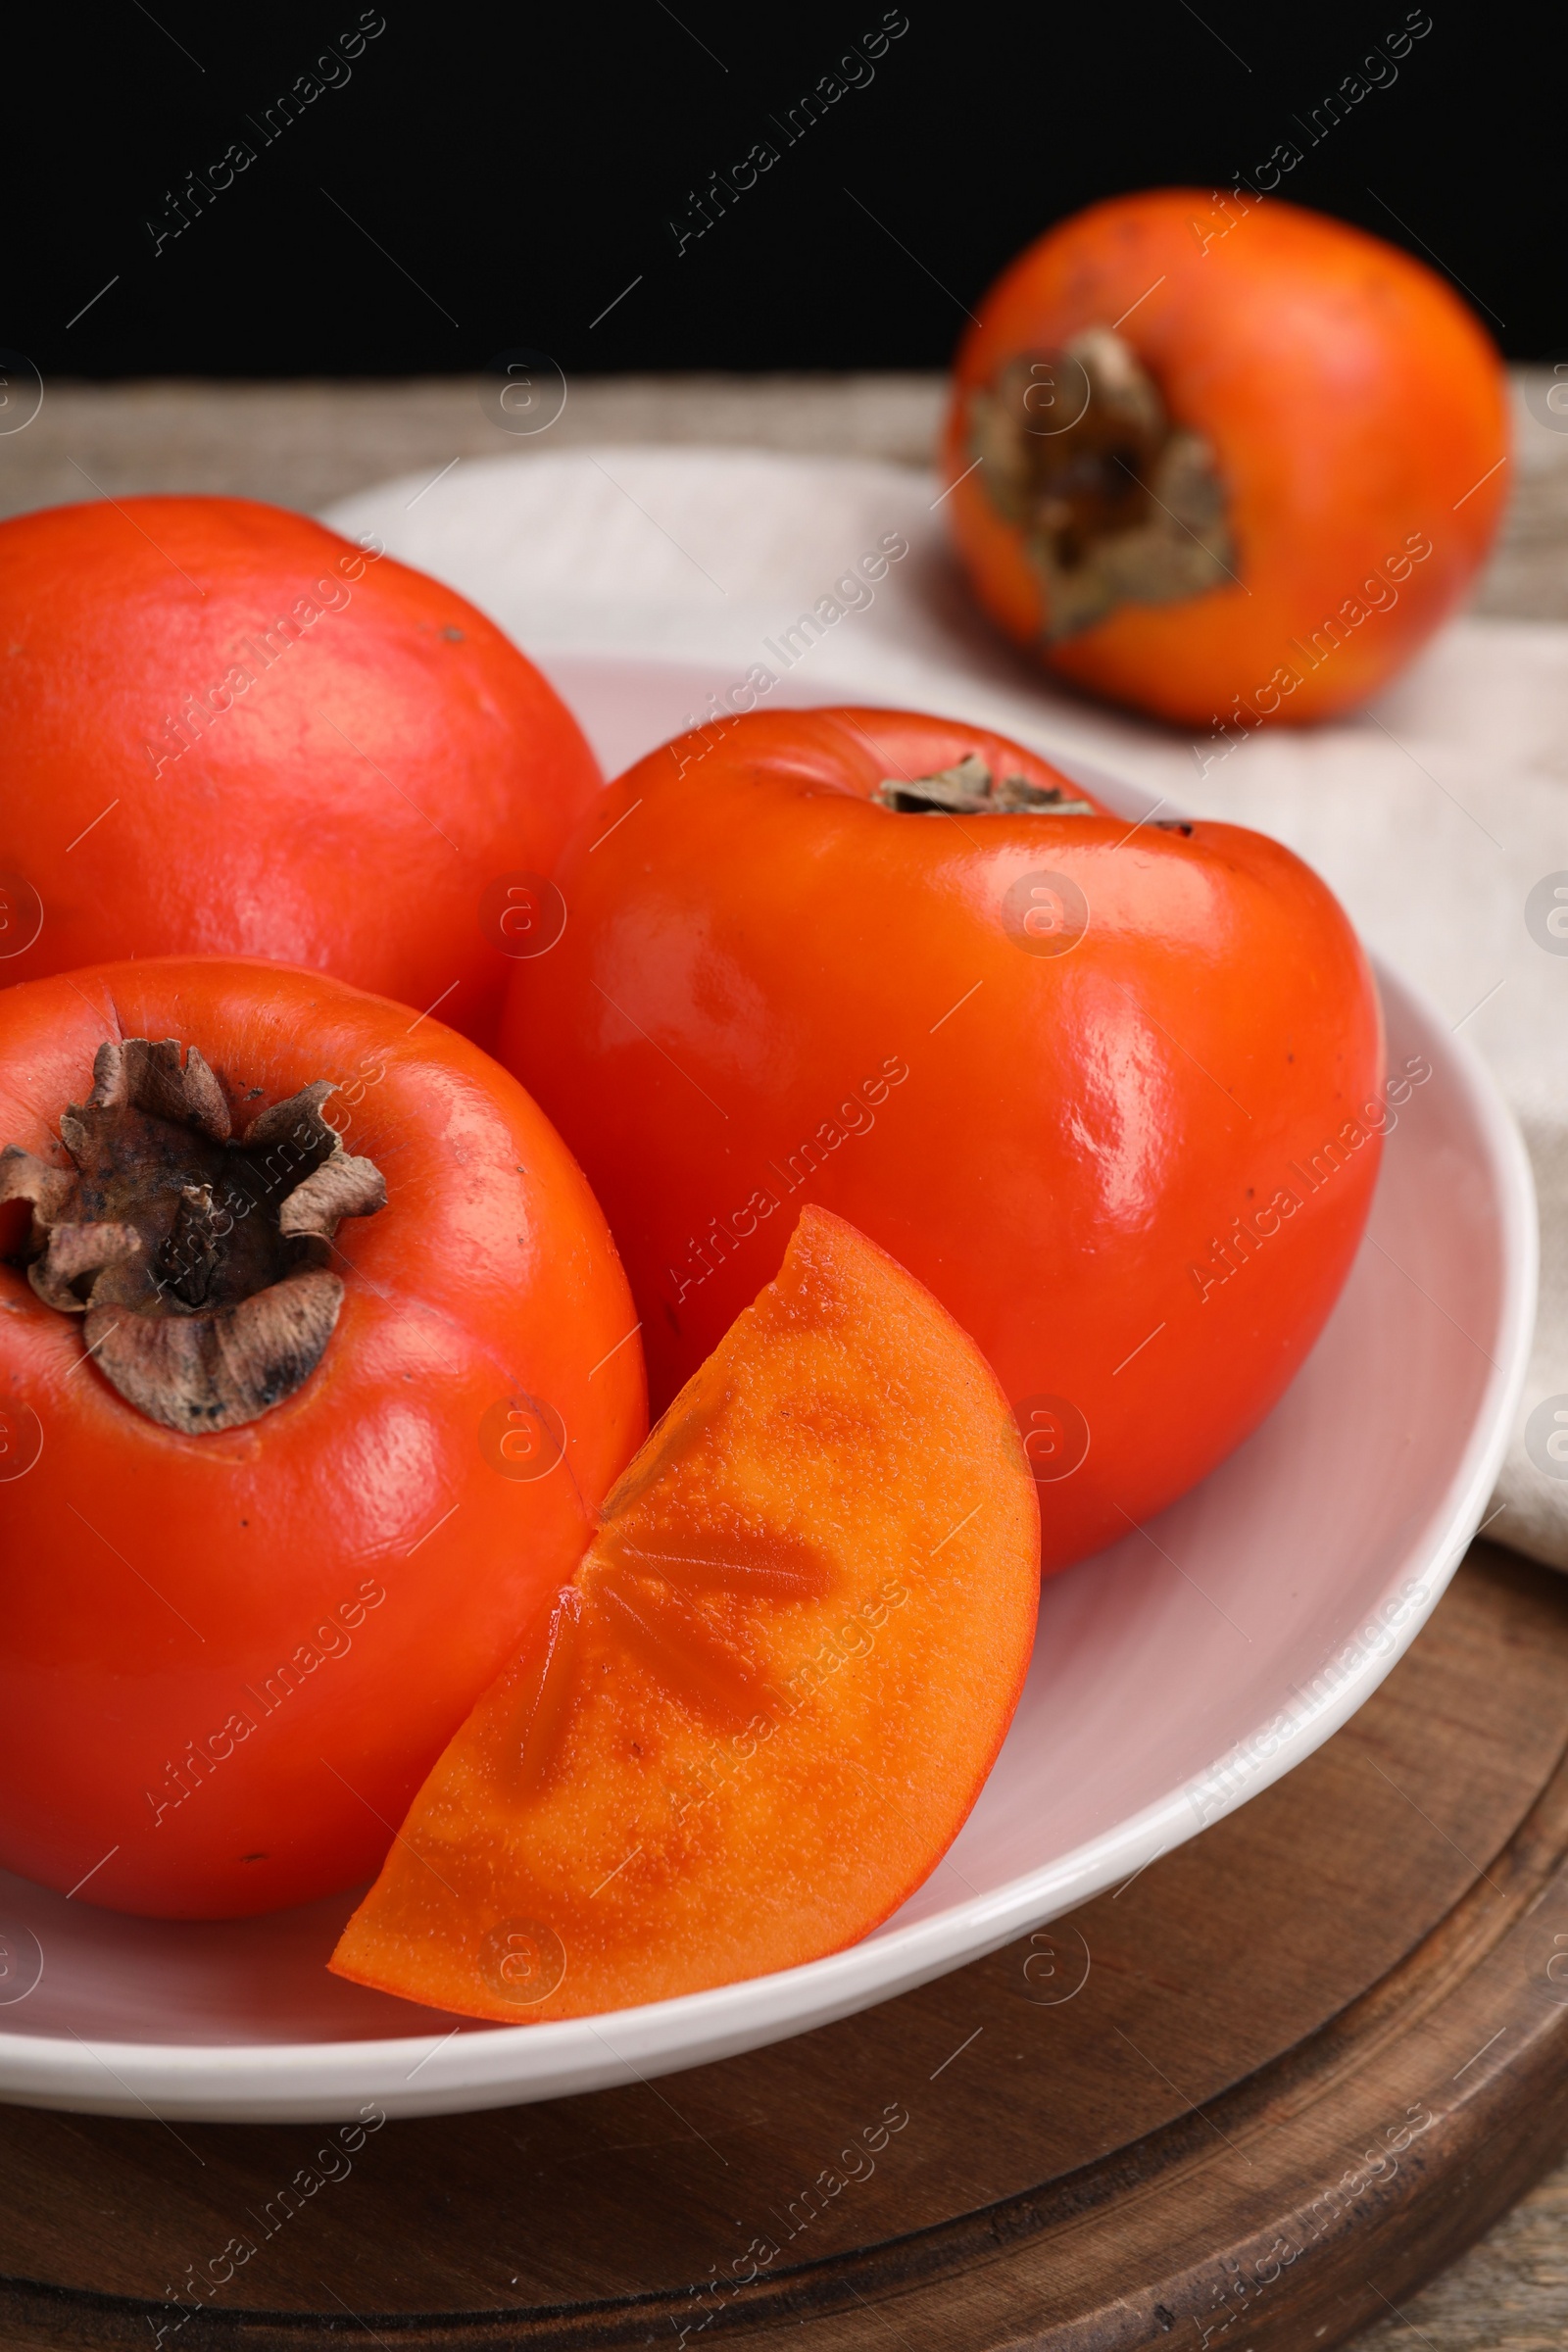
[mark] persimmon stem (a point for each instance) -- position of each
(1116, 503)
(197, 1259)
(969, 789)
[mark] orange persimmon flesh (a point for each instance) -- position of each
(760, 1714)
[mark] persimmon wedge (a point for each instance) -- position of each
(760, 1714)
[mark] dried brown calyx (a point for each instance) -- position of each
(969, 789)
(1117, 506)
(198, 1259)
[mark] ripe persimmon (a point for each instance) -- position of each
(1113, 1091)
(229, 730)
(1226, 460)
(278, 1494)
(762, 1709)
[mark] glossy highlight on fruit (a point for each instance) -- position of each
(1224, 460)
(231, 1642)
(1113, 1091)
(230, 731)
(762, 1709)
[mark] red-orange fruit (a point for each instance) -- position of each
(1224, 460)
(1114, 1092)
(761, 1711)
(227, 730)
(277, 1497)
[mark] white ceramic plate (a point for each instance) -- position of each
(1175, 1675)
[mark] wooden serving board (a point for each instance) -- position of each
(1253, 2099)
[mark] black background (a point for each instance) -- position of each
(491, 179)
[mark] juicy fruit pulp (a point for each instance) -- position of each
(760, 1713)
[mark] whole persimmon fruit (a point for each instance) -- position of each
(317, 1361)
(761, 1712)
(1113, 1091)
(1227, 462)
(228, 730)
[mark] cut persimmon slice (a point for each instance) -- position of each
(759, 1716)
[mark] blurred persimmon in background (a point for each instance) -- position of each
(1224, 460)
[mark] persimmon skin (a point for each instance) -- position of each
(152, 1584)
(1356, 407)
(346, 810)
(770, 1698)
(756, 954)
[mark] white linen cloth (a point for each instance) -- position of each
(1435, 814)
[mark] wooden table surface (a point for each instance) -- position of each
(305, 444)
